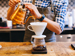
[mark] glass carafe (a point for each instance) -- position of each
(38, 44)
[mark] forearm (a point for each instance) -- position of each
(53, 26)
(10, 12)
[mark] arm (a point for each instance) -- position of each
(53, 26)
(60, 10)
(57, 26)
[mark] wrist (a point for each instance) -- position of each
(39, 16)
(42, 18)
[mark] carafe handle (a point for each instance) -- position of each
(32, 40)
(29, 28)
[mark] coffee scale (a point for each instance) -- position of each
(38, 41)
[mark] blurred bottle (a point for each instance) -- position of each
(0, 19)
(66, 20)
(73, 14)
(70, 20)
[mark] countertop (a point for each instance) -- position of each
(24, 49)
(14, 29)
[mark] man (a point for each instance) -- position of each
(54, 12)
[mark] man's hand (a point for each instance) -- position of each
(33, 10)
(13, 3)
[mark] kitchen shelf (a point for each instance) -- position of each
(68, 28)
(12, 29)
(24, 29)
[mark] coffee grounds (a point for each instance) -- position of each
(39, 48)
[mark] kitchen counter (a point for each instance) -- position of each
(24, 49)
(13, 35)
(14, 29)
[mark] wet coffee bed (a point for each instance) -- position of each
(39, 48)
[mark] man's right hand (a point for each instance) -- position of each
(13, 3)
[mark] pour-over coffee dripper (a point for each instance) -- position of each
(38, 27)
(39, 46)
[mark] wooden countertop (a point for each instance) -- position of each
(24, 49)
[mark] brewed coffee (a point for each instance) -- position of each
(39, 48)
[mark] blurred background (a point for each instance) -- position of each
(17, 34)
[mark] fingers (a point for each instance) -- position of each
(16, 1)
(28, 3)
(13, 2)
(29, 6)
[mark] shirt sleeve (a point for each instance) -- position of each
(60, 9)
